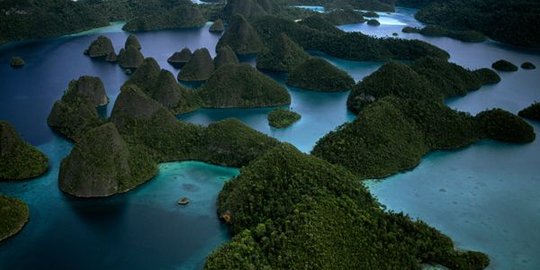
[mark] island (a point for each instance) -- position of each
(18, 159)
(16, 62)
(225, 55)
(241, 37)
(184, 14)
(503, 65)
(179, 59)
(318, 75)
(101, 48)
(528, 65)
(373, 22)
(130, 58)
(133, 41)
(308, 200)
(217, 27)
(282, 55)
(15, 215)
(438, 31)
(76, 112)
(343, 16)
(282, 118)
(532, 112)
(199, 67)
(240, 85)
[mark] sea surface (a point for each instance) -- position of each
(485, 196)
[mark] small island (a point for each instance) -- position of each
(179, 59)
(343, 16)
(373, 22)
(500, 125)
(217, 27)
(130, 58)
(16, 62)
(183, 201)
(18, 159)
(528, 65)
(15, 215)
(101, 48)
(532, 112)
(503, 65)
(199, 67)
(282, 118)
(318, 75)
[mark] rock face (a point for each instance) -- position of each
(16, 62)
(282, 55)
(132, 41)
(225, 55)
(199, 67)
(130, 58)
(242, 86)
(241, 37)
(217, 26)
(76, 112)
(18, 159)
(503, 65)
(101, 165)
(319, 75)
(179, 59)
(102, 47)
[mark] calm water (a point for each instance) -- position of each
(483, 196)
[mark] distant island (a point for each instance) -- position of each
(15, 215)
(282, 118)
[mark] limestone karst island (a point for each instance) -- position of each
(269, 134)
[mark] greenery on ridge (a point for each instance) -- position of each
(282, 118)
(532, 112)
(437, 31)
(240, 85)
(281, 55)
(241, 37)
(302, 212)
(14, 213)
(500, 125)
(18, 159)
(319, 75)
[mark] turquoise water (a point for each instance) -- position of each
(483, 196)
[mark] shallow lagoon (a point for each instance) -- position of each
(483, 196)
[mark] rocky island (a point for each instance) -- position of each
(199, 67)
(240, 85)
(217, 26)
(532, 112)
(15, 215)
(16, 62)
(18, 159)
(179, 59)
(101, 48)
(241, 37)
(319, 75)
(503, 65)
(225, 55)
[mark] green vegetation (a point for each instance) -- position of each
(132, 41)
(288, 210)
(217, 27)
(426, 78)
(241, 85)
(402, 117)
(437, 31)
(225, 55)
(14, 213)
(130, 58)
(249, 8)
(182, 14)
(319, 75)
(241, 37)
(532, 112)
(18, 159)
(103, 48)
(503, 65)
(282, 118)
(316, 34)
(528, 65)
(160, 85)
(343, 16)
(373, 22)
(76, 113)
(503, 126)
(199, 67)
(510, 24)
(16, 62)
(179, 59)
(282, 55)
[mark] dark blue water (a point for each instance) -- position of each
(483, 196)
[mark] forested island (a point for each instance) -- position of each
(282, 118)
(15, 215)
